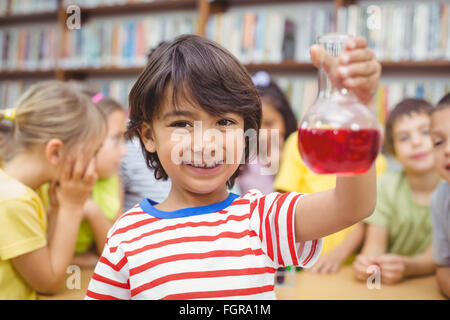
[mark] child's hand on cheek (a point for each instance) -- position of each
(355, 69)
(76, 182)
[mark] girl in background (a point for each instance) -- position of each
(106, 201)
(52, 135)
(279, 121)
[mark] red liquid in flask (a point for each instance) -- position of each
(338, 151)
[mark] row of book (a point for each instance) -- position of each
(100, 3)
(18, 7)
(300, 92)
(29, 49)
(121, 42)
(270, 36)
(400, 30)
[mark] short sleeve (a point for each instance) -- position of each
(110, 280)
(291, 171)
(383, 209)
(439, 217)
(22, 228)
(272, 219)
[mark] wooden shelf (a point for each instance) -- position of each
(34, 17)
(24, 74)
(113, 71)
(435, 66)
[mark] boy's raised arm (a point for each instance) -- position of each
(323, 213)
(354, 198)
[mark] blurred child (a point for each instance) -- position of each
(54, 133)
(202, 241)
(440, 200)
(398, 237)
(278, 120)
(106, 202)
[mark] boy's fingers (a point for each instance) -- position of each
(357, 69)
(320, 57)
(356, 55)
(356, 42)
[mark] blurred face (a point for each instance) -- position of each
(412, 142)
(113, 149)
(271, 121)
(198, 151)
(440, 134)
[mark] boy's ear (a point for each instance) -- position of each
(146, 133)
(53, 151)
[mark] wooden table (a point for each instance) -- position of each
(307, 286)
(343, 286)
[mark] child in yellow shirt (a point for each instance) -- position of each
(51, 135)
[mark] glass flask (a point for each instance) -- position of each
(337, 135)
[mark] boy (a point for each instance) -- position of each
(440, 201)
(399, 233)
(203, 242)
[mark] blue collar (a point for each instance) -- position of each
(148, 206)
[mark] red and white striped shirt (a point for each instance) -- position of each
(228, 250)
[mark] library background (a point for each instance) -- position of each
(37, 42)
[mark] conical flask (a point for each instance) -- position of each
(337, 135)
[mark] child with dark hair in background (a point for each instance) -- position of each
(54, 134)
(440, 200)
(399, 233)
(277, 123)
(202, 241)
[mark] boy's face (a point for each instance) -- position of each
(440, 134)
(412, 142)
(198, 151)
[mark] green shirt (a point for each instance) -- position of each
(409, 223)
(106, 194)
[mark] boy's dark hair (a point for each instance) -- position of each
(200, 72)
(443, 103)
(277, 98)
(405, 107)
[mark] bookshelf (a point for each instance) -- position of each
(203, 11)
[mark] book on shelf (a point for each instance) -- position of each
(23, 7)
(270, 36)
(28, 49)
(397, 31)
(101, 3)
(121, 43)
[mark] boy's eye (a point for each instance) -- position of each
(225, 122)
(180, 124)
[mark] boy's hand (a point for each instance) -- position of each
(355, 69)
(361, 265)
(392, 268)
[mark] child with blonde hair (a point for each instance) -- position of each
(51, 135)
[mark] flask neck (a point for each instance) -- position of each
(334, 44)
